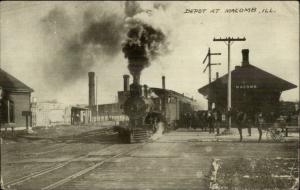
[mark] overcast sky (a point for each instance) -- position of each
(48, 45)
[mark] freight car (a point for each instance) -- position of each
(151, 112)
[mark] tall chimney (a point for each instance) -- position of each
(245, 53)
(126, 83)
(91, 88)
(217, 75)
(164, 97)
(163, 82)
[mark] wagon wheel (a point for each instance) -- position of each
(275, 134)
(268, 134)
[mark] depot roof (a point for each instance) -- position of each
(251, 76)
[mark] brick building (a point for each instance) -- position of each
(15, 102)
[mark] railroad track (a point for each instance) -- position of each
(47, 170)
(29, 177)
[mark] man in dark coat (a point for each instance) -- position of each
(210, 121)
(217, 120)
(259, 122)
(195, 120)
(241, 121)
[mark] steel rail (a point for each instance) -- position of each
(86, 170)
(47, 170)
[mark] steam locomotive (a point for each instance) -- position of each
(151, 115)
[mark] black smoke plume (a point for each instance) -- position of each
(132, 8)
(79, 42)
(143, 44)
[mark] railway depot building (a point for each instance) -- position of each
(253, 89)
(15, 102)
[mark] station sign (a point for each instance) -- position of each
(245, 86)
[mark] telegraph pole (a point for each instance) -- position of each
(228, 41)
(1, 179)
(1, 170)
(96, 100)
(209, 64)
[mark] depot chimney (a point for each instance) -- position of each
(245, 53)
(163, 82)
(91, 88)
(126, 83)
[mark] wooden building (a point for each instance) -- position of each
(253, 89)
(15, 102)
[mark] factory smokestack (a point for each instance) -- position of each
(126, 83)
(164, 98)
(91, 88)
(245, 53)
(163, 78)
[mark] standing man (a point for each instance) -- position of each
(200, 121)
(195, 120)
(249, 123)
(218, 120)
(210, 121)
(205, 120)
(185, 120)
(259, 122)
(240, 121)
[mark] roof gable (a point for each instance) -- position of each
(250, 74)
(10, 83)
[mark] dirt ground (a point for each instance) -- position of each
(178, 160)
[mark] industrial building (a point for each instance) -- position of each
(15, 102)
(173, 105)
(52, 113)
(253, 89)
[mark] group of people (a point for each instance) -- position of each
(258, 120)
(213, 120)
(204, 120)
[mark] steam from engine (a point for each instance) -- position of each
(142, 45)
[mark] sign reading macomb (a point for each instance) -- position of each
(245, 86)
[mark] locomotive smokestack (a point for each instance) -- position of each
(91, 88)
(146, 91)
(126, 83)
(245, 53)
(163, 78)
(136, 79)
